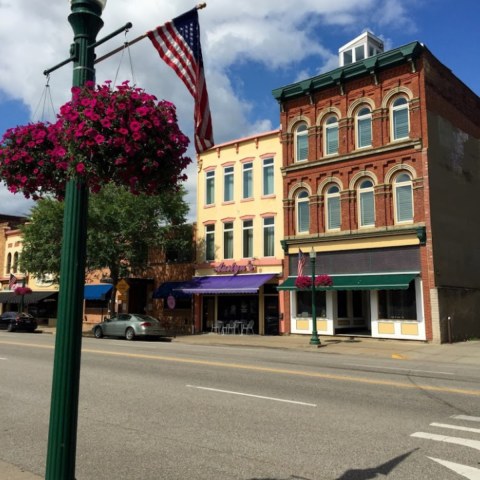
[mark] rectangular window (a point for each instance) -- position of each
(210, 243)
(364, 132)
(334, 217)
(303, 212)
(400, 123)
(269, 237)
(397, 304)
(228, 240)
(367, 209)
(347, 57)
(247, 238)
(228, 184)
(268, 176)
(332, 140)
(359, 53)
(248, 180)
(210, 187)
(304, 304)
(404, 203)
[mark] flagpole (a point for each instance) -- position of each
(135, 40)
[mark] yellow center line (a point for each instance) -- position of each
(279, 371)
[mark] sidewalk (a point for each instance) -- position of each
(461, 352)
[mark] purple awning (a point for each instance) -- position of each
(225, 284)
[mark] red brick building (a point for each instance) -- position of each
(381, 163)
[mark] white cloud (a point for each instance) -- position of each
(276, 34)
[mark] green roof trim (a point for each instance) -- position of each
(377, 281)
(335, 77)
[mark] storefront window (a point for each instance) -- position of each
(397, 304)
(304, 304)
(244, 307)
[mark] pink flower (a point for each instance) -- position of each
(80, 167)
(99, 139)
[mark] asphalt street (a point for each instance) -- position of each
(218, 408)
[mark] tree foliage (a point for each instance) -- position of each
(121, 228)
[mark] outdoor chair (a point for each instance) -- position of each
(217, 327)
(246, 327)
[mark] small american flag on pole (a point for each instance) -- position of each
(178, 44)
(302, 259)
(12, 282)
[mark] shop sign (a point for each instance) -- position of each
(171, 302)
(235, 268)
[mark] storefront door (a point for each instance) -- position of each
(353, 312)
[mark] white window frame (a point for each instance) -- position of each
(228, 240)
(268, 174)
(331, 124)
(210, 187)
(366, 192)
(209, 242)
(268, 229)
(332, 194)
(363, 116)
(397, 109)
(301, 134)
(400, 183)
(247, 176)
(228, 180)
(301, 199)
(247, 238)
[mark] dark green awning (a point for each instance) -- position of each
(34, 297)
(381, 281)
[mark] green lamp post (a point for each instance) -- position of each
(314, 340)
(85, 19)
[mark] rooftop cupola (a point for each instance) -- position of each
(364, 46)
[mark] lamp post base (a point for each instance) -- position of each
(314, 340)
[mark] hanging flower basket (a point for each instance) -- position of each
(22, 291)
(103, 135)
(304, 282)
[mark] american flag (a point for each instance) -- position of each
(12, 281)
(178, 43)
(302, 259)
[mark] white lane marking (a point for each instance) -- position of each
(254, 396)
(456, 427)
(444, 438)
(2, 358)
(397, 368)
(463, 470)
(466, 417)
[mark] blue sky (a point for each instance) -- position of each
(249, 49)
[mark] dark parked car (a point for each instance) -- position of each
(12, 321)
(129, 326)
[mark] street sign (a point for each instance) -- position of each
(122, 286)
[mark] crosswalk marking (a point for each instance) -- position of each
(456, 427)
(466, 417)
(444, 438)
(468, 472)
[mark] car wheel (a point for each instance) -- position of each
(130, 334)
(10, 328)
(98, 332)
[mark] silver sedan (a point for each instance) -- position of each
(129, 326)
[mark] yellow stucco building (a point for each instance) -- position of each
(239, 228)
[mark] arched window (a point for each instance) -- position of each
(333, 219)
(331, 136)
(15, 262)
(301, 142)
(366, 204)
(403, 198)
(364, 128)
(399, 115)
(303, 212)
(9, 263)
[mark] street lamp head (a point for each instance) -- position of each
(100, 3)
(312, 253)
